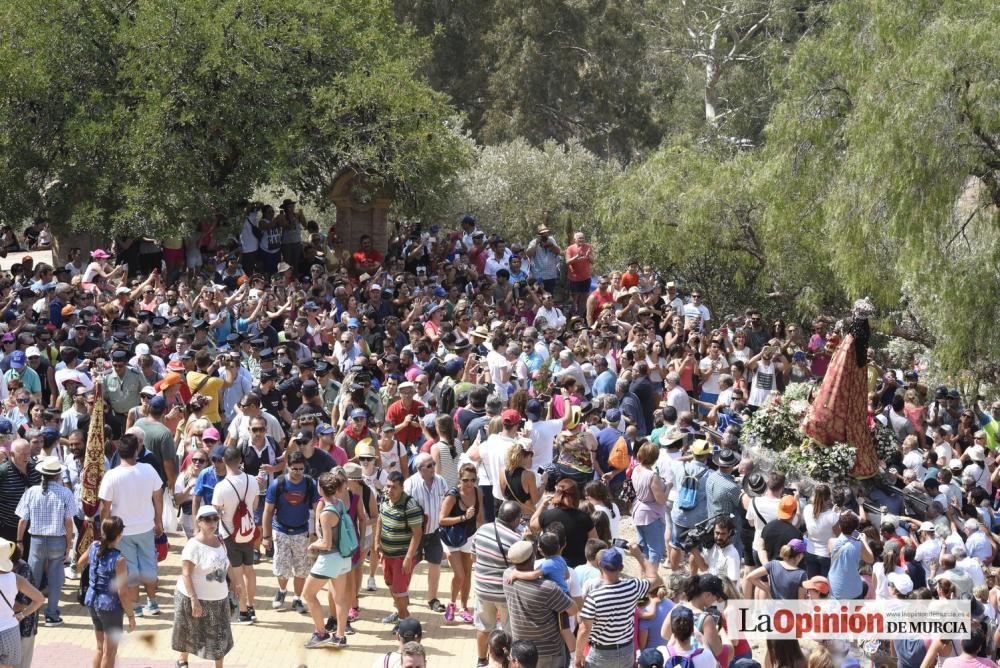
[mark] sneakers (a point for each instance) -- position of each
(243, 619)
(338, 642)
(319, 640)
(482, 663)
(53, 621)
(152, 608)
(371, 584)
(353, 614)
(436, 605)
(137, 610)
(449, 614)
(391, 618)
(349, 631)
(252, 612)
(70, 571)
(299, 606)
(278, 600)
(466, 616)
(331, 624)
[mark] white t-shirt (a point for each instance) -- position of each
(724, 562)
(819, 530)
(613, 518)
(766, 508)
(914, 460)
(543, 437)
(710, 384)
(493, 454)
(498, 364)
(927, 553)
(210, 567)
(227, 495)
(703, 659)
(241, 427)
(130, 490)
(679, 399)
(248, 241)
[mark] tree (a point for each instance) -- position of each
(885, 145)
(136, 115)
(513, 188)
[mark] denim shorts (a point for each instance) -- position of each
(139, 551)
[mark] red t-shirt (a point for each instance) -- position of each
(367, 260)
(581, 270)
(395, 415)
(629, 280)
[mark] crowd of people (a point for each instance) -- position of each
(568, 441)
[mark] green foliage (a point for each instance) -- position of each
(512, 188)
(140, 115)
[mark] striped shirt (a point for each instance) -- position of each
(612, 609)
(398, 523)
(448, 469)
(47, 513)
(430, 498)
(12, 487)
(490, 544)
(532, 605)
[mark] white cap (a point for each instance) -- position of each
(902, 583)
(207, 511)
(976, 453)
(122, 291)
(141, 349)
(955, 464)
(927, 526)
(32, 351)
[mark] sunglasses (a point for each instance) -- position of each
(366, 459)
(199, 460)
(256, 430)
(216, 459)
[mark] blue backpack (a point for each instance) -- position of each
(347, 542)
(687, 496)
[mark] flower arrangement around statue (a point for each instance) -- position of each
(775, 425)
(806, 461)
(886, 446)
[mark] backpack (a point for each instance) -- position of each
(620, 457)
(347, 542)
(245, 529)
(446, 395)
(681, 661)
(687, 496)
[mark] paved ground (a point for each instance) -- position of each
(276, 640)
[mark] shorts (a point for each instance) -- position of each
(139, 551)
(174, 255)
(676, 531)
(291, 555)
(580, 287)
(431, 550)
(397, 581)
(329, 566)
(10, 646)
(240, 554)
(486, 616)
(107, 621)
(464, 547)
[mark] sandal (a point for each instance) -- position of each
(436, 605)
(180, 664)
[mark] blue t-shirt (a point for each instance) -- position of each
(845, 576)
(554, 569)
(653, 625)
(291, 507)
(204, 486)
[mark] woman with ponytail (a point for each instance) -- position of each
(447, 450)
(107, 599)
(784, 576)
(499, 644)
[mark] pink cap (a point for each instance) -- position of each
(211, 434)
(100, 254)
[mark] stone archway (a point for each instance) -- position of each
(361, 209)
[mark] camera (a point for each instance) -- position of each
(701, 535)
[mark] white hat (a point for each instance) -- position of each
(123, 291)
(49, 466)
(927, 526)
(32, 351)
(141, 349)
(955, 464)
(147, 391)
(207, 511)
(976, 453)
(902, 583)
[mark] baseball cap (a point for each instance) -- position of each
(819, 583)
(651, 658)
(798, 545)
(787, 507)
(510, 417)
(926, 526)
(614, 415)
(159, 403)
(364, 448)
(359, 413)
(303, 436)
(6, 426)
(711, 584)
(409, 629)
(211, 434)
(955, 465)
(17, 359)
(218, 452)
(207, 511)
(147, 391)
(701, 447)
(611, 560)
(533, 410)
(325, 430)
(902, 583)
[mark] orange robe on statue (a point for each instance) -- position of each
(839, 411)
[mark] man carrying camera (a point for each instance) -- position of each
(722, 558)
(204, 381)
(544, 255)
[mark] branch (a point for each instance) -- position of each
(961, 230)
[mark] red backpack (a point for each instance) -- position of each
(245, 529)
